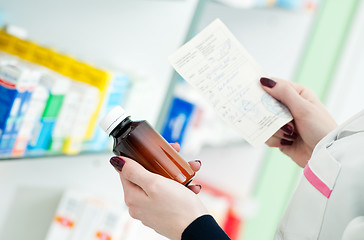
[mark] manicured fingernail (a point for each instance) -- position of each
(288, 129)
(199, 161)
(198, 185)
(285, 142)
(117, 163)
(267, 82)
(293, 136)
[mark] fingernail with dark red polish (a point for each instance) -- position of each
(117, 163)
(293, 136)
(285, 142)
(267, 82)
(199, 161)
(288, 129)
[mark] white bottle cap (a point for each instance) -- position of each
(113, 118)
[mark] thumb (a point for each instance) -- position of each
(132, 171)
(286, 93)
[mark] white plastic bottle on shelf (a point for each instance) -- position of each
(57, 86)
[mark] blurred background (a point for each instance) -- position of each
(64, 64)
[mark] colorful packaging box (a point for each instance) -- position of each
(32, 116)
(16, 86)
(84, 101)
(110, 224)
(96, 79)
(81, 216)
(67, 216)
(116, 95)
(65, 118)
(178, 119)
(57, 87)
(65, 67)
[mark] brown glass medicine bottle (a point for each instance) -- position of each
(139, 141)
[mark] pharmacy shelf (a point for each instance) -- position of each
(31, 190)
(130, 36)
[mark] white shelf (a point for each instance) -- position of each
(31, 188)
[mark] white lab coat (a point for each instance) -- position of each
(328, 203)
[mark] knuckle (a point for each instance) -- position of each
(284, 87)
(133, 213)
(271, 142)
(153, 187)
(128, 174)
(128, 201)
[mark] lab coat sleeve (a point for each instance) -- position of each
(330, 194)
(355, 229)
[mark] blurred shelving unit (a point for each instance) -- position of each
(345, 98)
(131, 36)
(127, 35)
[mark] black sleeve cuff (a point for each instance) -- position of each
(204, 227)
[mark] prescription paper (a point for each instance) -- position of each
(219, 67)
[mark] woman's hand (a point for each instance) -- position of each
(195, 165)
(311, 121)
(158, 202)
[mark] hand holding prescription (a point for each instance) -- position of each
(311, 123)
(217, 65)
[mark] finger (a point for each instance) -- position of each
(304, 92)
(279, 142)
(195, 188)
(291, 137)
(195, 165)
(176, 146)
(273, 141)
(135, 173)
(280, 133)
(285, 142)
(133, 194)
(288, 128)
(284, 92)
(287, 132)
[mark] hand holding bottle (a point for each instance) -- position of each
(139, 141)
(158, 202)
